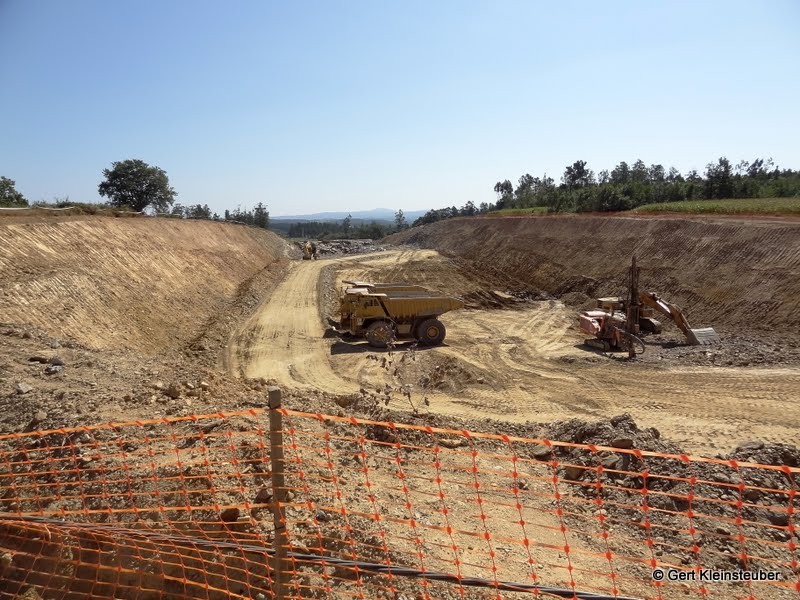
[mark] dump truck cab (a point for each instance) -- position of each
(383, 312)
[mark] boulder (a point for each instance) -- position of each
(23, 388)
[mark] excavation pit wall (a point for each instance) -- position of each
(142, 284)
(734, 275)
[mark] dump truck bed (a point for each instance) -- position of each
(385, 287)
(403, 305)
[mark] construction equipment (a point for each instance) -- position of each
(697, 337)
(608, 329)
(309, 251)
(383, 312)
(617, 323)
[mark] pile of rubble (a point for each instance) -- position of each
(727, 499)
(334, 247)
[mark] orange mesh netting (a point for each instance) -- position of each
(185, 508)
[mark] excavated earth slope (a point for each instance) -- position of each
(139, 284)
(730, 273)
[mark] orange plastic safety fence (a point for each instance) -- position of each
(183, 508)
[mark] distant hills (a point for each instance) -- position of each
(376, 214)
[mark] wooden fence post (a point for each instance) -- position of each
(281, 541)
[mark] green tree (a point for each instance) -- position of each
(9, 196)
(198, 211)
(505, 193)
(261, 216)
(347, 225)
(577, 175)
(400, 220)
(621, 173)
(639, 172)
(719, 179)
(674, 175)
(138, 185)
(469, 209)
(656, 174)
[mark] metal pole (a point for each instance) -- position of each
(281, 541)
(632, 318)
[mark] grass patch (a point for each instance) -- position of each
(742, 206)
(533, 210)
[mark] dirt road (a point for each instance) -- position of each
(512, 364)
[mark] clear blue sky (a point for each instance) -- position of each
(311, 106)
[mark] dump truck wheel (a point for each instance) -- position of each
(380, 334)
(431, 332)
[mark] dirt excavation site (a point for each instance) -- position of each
(516, 452)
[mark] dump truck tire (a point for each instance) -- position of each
(431, 332)
(380, 334)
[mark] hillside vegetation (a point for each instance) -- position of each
(626, 187)
(737, 206)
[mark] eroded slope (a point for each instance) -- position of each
(140, 284)
(732, 274)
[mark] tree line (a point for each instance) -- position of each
(134, 185)
(346, 228)
(628, 186)
(468, 210)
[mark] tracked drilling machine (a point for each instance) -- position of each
(617, 323)
(634, 304)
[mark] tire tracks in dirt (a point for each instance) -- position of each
(532, 361)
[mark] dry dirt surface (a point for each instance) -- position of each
(140, 284)
(100, 317)
(515, 361)
(737, 275)
(79, 294)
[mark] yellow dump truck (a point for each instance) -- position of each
(383, 312)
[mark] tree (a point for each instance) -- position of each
(347, 225)
(469, 209)
(197, 211)
(655, 174)
(621, 173)
(178, 210)
(503, 188)
(719, 176)
(577, 175)
(639, 172)
(525, 183)
(261, 216)
(674, 175)
(9, 196)
(400, 220)
(138, 185)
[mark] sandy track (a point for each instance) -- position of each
(515, 365)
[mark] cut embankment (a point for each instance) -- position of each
(141, 284)
(733, 274)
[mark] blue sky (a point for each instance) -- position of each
(311, 106)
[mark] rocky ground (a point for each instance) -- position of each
(339, 247)
(50, 381)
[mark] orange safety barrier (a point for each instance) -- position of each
(219, 506)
